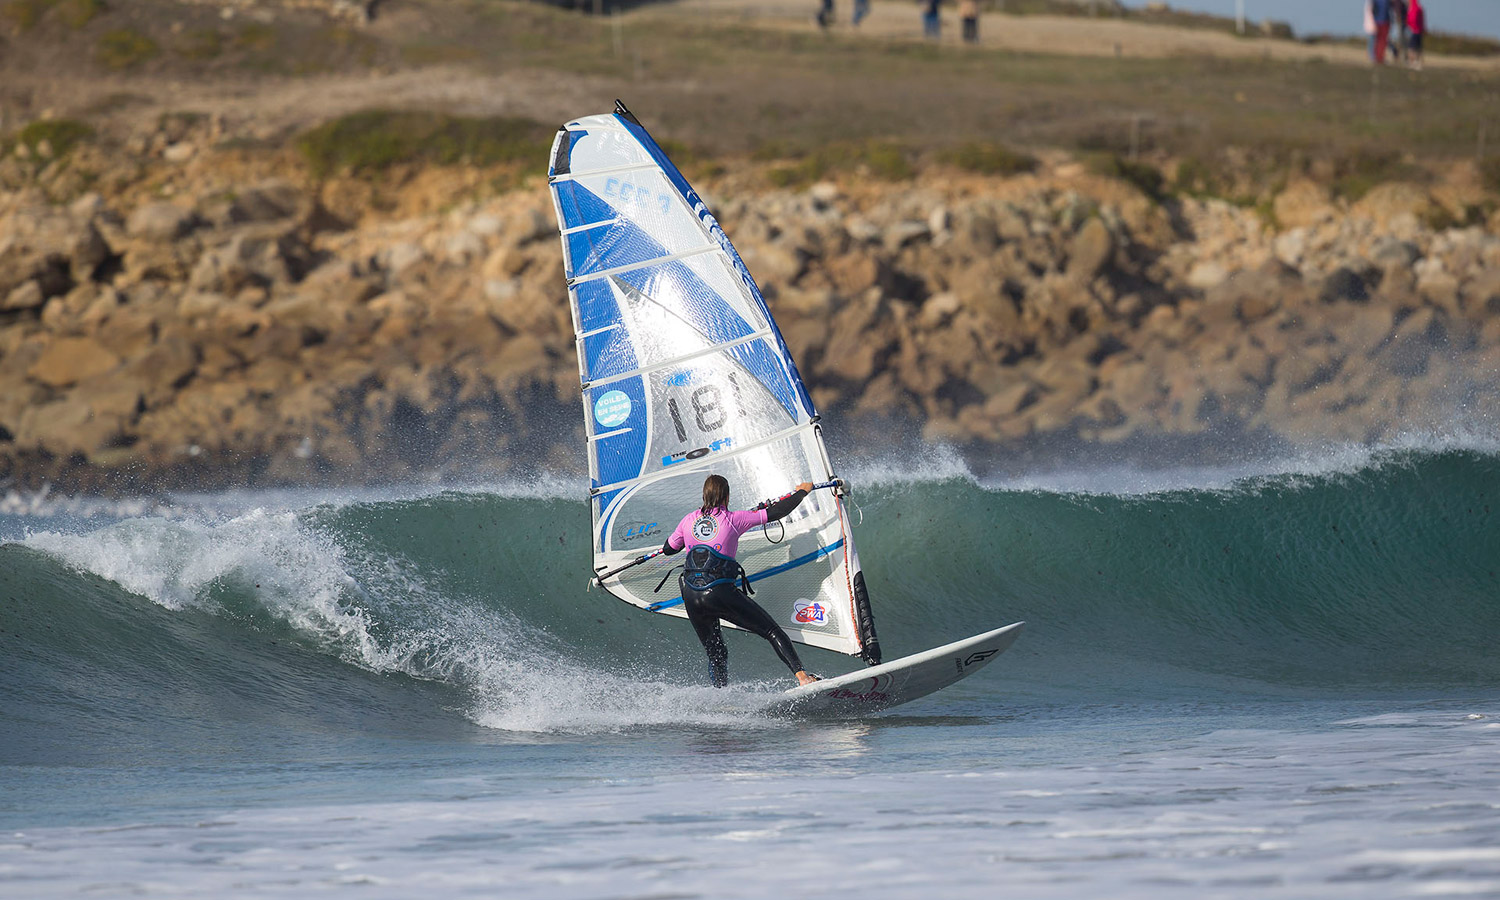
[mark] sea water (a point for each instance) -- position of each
(1278, 681)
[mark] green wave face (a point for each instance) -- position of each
(468, 613)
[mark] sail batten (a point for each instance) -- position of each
(684, 372)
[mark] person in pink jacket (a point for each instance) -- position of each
(1416, 23)
(711, 535)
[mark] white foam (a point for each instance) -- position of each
(925, 465)
(517, 677)
(1303, 467)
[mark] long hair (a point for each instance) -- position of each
(715, 493)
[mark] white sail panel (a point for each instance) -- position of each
(684, 373)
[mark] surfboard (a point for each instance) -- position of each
(894, 683)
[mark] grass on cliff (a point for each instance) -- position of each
(27, 14)
(988, 158)
(375, 140)
(125, 48)
(52, 138)
(884, 160)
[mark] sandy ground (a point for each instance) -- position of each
(271, 107)
(1067, 36)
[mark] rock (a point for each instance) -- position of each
(27, 296)
(50, 247)
(1390, 251)
(247, 259)
(269, 201)
(823, 193)
(1387, 201)
(853, 273)
(937, 220)
(1414, 340)
(65, 427)
(160, 222)
(939, 309)
(1343, 284)
(180, 152)
(772, 264)
(903, 233)
(1091, 250)
(69, 360)
(1207, 274)
(1303, 204)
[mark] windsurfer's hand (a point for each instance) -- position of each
(805, 487)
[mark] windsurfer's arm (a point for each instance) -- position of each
(788, 503)
(675, 542)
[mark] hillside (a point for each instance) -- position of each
(222, 263)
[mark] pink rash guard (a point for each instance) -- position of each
(718, 528)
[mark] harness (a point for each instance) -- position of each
(704, 567)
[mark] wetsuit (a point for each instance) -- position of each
(708, 581)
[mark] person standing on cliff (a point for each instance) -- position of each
(1378, 26)
(968, 10)
(1416, 24)
(1399, 41)
(931, 23)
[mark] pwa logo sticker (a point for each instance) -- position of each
(809, 612)
(639, 531)
(612, 409)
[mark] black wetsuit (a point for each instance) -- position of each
(710, 593)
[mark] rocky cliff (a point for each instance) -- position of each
(225, 317)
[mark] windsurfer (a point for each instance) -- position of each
(711, 535)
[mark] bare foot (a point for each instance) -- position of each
(805, 679)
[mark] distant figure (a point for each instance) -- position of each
(861, 9)
(1416, 24)
(968, 10)
(931, 24)
(1380, 15)
(825, 14)
(1399, 39)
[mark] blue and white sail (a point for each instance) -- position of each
(684, 373)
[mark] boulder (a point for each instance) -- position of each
(1302, 204)
(1091, 250)
(270, 201)
(1388, 201)
(28, 295)
(160, 222)
(1343, 283)
(72, 359)
(1207, 274)
(50, 247)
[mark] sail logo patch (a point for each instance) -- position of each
(705, 528)
(627, 192)
(809, 612)
(612, 409)
(674, 458)
(636, 531)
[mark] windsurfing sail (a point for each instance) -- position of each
(684, 373)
